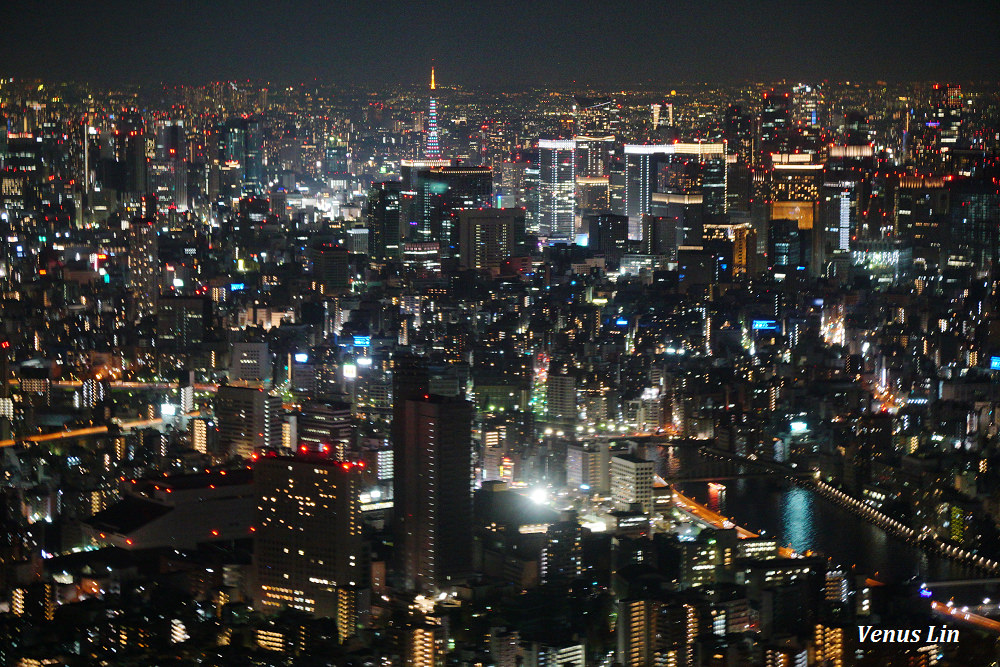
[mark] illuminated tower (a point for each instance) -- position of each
(432, 151)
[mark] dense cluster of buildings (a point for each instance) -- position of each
(315, 375)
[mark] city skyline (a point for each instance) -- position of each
(446, 357)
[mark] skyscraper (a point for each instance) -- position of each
(433, 469)
(433, 192)
(130, 144)
(488, 236)
(607, 233)
(632, 482)
(775, 125)
(143, 260)
(249, 418)
(241, 147)
(383, 222)
(557, 188)
(308, 548)
(168, 173)
(432, 150)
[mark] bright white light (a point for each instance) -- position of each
(539, 496)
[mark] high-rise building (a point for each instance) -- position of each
(384, 233)
(130, 151)
(251, 362)
(557, 188)
(331, 267)
(588, 466)
(168, 172)
(607, 234)
(489, 236)
(143, 260)
(6, 399)
(325, 427)
(336, 163)
(241, 147)
(775, 125)
(654, 632)
(562, 554)
(433, 502)
(632, 482)
(828, 645)
(308, 547)
(433, 191)
(696, 171)
(946, 104)
(561, 399)
(248, 418)
(593, 155)
(182, 321)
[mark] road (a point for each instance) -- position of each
(90, 430)
(956, 614)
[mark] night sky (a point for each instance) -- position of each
(504, 43)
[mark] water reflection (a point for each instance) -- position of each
(799, 516)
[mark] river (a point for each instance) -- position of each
(804, 520)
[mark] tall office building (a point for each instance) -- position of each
(6, 398)
(241, 147)
(250, 362)
(775, 125)
(248, 418)
(687, 174)
(308, 547)
(607, 234)
(331, 267)
(593, 155)
(336, 163)
(182, 322)
(384, 236)
(433, 503)
(433, 191)
(632, 482)
(946, 106)
(562, 554)
(168, 172)
(143, 281)
(130, 152)
(641, 165)
(325, 427)
(557, 188)
(489, 236)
